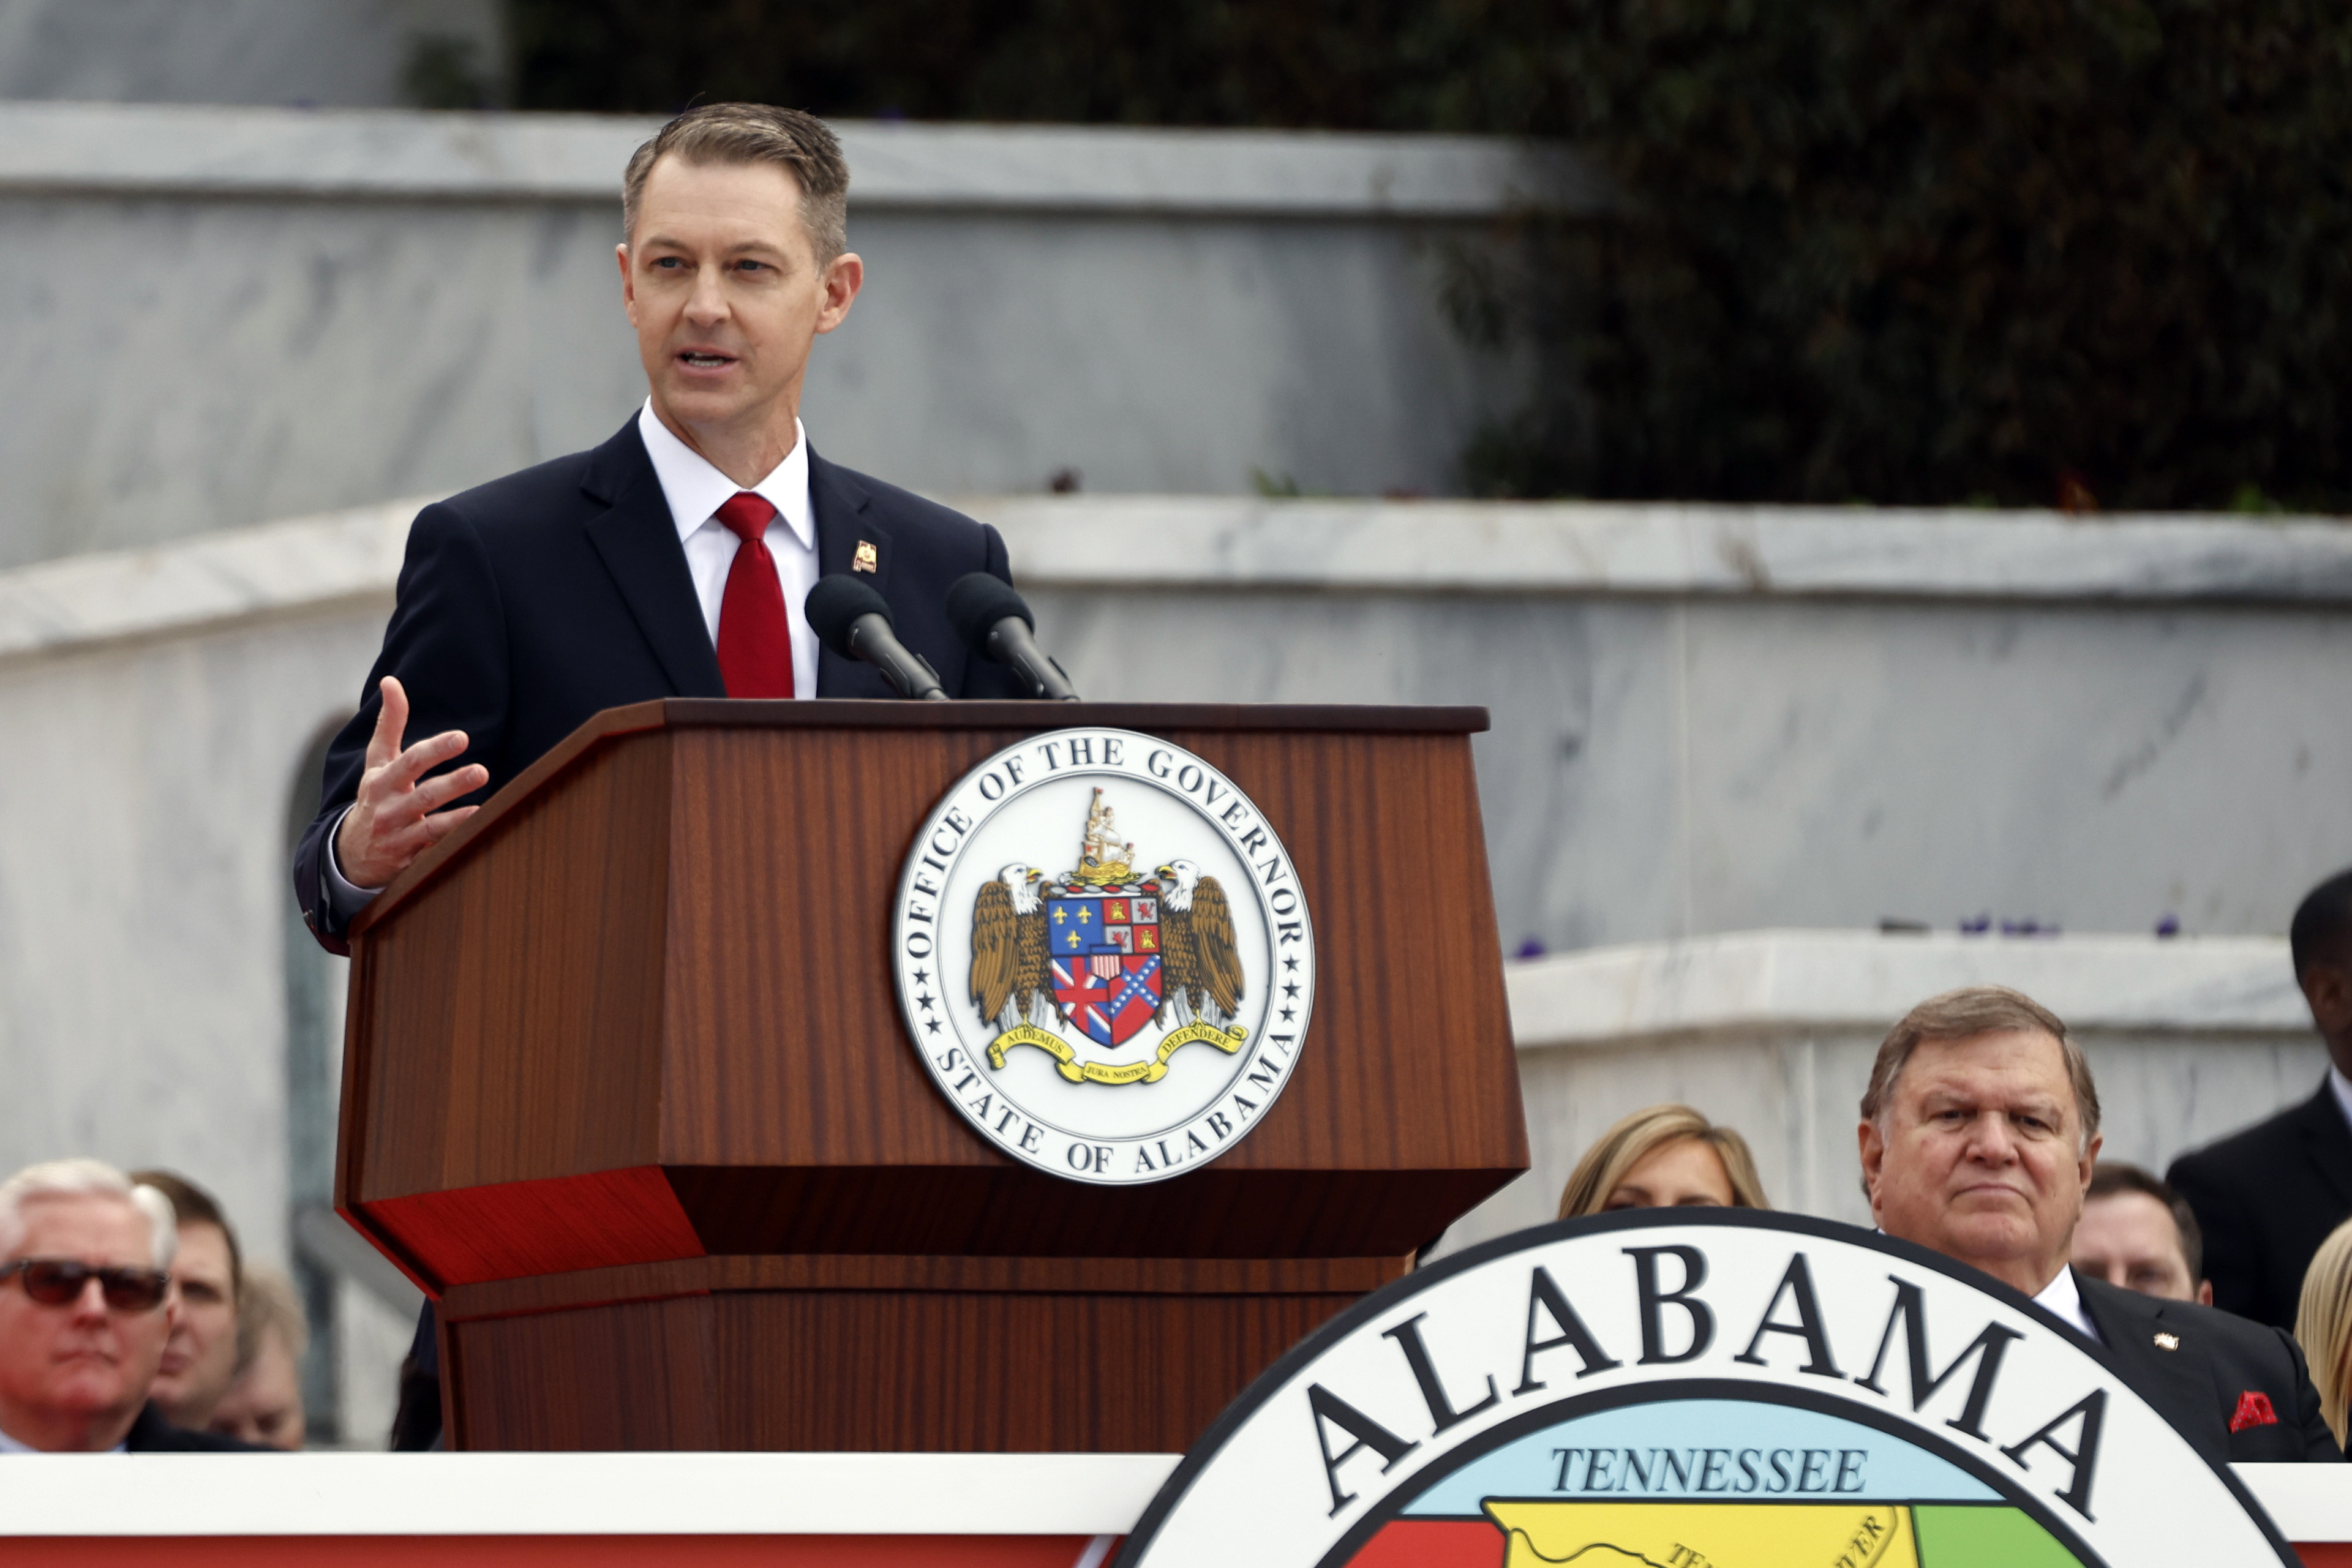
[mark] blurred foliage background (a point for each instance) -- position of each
(2013, 252)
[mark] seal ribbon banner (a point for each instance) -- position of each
(1225, 1040)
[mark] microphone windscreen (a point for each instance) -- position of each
(836, 604)
(977, 602)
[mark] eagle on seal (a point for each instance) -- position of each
(1202, 966)
(1008, 945)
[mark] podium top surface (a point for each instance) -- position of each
(840, 713)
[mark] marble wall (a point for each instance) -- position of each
(1774, 1033)
(1675, 754)
(1660, 769)
(1665, 762)
(343, 52)
(304, 311)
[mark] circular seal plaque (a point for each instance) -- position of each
(1104, 957)
(1703, 1388)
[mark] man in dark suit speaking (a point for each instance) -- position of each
(1978, 1133)
(673, 560)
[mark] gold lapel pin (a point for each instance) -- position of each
(869, 558)
(2167, 1342)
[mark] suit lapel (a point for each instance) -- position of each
(2181, 1385)
(2328, 1142)
(845, 529)
(638, 541)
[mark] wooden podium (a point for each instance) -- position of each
(625, 1088)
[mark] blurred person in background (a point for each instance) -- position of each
(2323, 1324)
(264, 1401)
(85, 1307)
(207, 1268)
(1664, 1156)
(2266, 1197)
(2139, 1233)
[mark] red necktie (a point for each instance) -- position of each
(755, 639)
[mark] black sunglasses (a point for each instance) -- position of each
(59, 1283)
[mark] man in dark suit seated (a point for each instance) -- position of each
(2267, 1197)
(85, 1307)
(1980, 1132)
(672, 560)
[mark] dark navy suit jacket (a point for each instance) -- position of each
(2198, 1366)
(152, 1434)
(2265, 1198)
(529, 604)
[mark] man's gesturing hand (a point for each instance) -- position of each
(395, 818)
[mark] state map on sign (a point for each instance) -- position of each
(1711, 1483)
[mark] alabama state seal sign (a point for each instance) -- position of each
(1104, 956)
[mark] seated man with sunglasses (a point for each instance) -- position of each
(86, 1305)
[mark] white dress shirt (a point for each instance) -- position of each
(2342, 1086)
(695, 491)
(2064, 1300)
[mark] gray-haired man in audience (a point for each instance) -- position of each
(1978, 1134)
(86, 1305)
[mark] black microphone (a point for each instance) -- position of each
(854, 620)
(994, 621)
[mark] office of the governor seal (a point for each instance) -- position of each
(1104, 956)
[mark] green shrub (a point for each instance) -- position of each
(1917, 251)
(1922, 251)
(1331, 63)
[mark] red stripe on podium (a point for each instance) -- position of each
(1476, 1543)
(1403, 1544)
(1433, 1543)
(513, 1229)
(579, 1551)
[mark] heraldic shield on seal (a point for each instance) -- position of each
(1104, 956)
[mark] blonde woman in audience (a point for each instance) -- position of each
(2323, 1324)
(264, 1401)
(1666, 1157)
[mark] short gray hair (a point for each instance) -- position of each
(85, 1179)
(755, 133)
(1962, 1014)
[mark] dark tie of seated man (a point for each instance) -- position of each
(1979, 1134)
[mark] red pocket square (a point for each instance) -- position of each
(2253, 1410)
